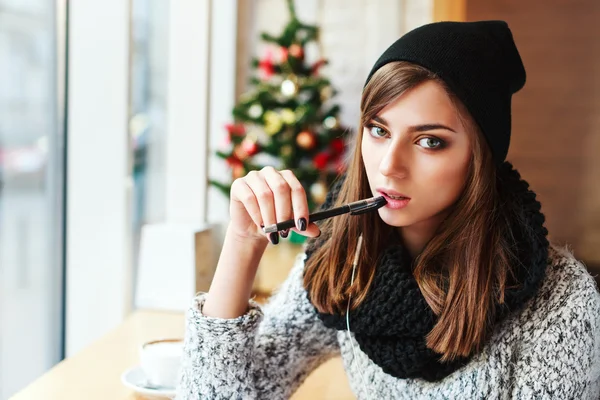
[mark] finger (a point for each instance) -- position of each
(264, 196)
(246, 196)
(281, 193)
(298, 194)
(311, 231)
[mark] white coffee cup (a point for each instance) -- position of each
(160, 361)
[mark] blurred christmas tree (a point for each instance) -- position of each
(286, 119)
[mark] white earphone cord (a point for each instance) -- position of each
(354, 263)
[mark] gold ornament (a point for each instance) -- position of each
(273, 122)
(326, 93)
(300, 112)
(286, 150)
(306, 140)
(296, 51)
(289, 88)
(253, 136)
(247, 96)
(287, 135)
(240, 153)
(318, 192)
(288, 116)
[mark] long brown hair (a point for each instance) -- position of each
(462, 271)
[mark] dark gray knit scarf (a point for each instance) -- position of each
(391, 324)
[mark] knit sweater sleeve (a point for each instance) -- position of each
(266, 353)
(560, 354)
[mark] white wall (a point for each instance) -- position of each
(98, 184)
(187, 102)
(222, 98)
(201, 96)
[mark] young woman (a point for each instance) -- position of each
(455, 292)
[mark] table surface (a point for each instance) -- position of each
(95, 372)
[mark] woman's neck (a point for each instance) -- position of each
(415, 237)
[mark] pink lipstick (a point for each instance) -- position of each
(395, 200)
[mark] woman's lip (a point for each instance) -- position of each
(395, 204)
(391, 193)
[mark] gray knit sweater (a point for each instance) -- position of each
(549, 350)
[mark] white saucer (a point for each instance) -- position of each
(135, 379)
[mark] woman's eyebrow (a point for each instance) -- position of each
(416, 128)
(429, 127)
(381, 120)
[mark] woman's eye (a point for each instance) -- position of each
(376, 131)
(431, 143)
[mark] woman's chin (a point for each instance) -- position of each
(397, 218)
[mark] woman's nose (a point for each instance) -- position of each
(395, 161)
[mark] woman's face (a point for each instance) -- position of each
(418, 148)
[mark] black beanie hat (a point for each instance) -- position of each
(479, 62)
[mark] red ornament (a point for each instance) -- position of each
(250, 147)
(238, 171)
(245, 149)
(321, 160)
(337, 146)
(317, 66)
(235, 129)
(306, 140)
(233, 161)
(266, 66)
(237, 167)
(296, 51)
(283, 54)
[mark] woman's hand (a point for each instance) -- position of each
(259, 199)
(266, 197)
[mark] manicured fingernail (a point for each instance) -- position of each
(274, 237)
(302, 224)
(285, 233)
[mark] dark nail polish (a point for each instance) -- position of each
(302, 224)
(284, 233)
(274, 237)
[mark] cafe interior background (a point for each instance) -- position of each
(112, 114)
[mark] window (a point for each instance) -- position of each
(147, 127)
(31, 179)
